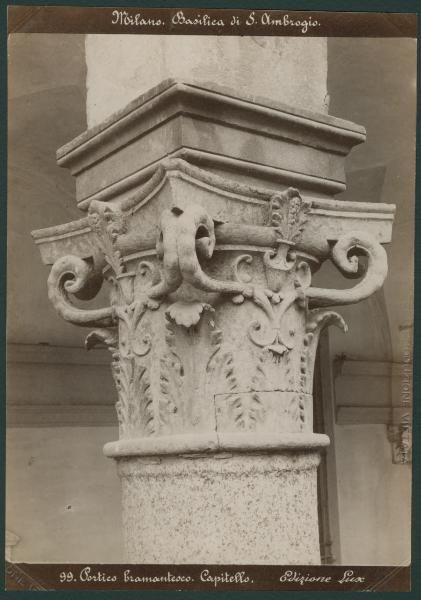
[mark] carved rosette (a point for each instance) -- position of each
(214, 329)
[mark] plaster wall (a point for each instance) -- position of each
(46, 88)
(62, 496)
(374, 498)
(377, 89)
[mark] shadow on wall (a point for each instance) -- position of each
(372, 82)
(63, 496)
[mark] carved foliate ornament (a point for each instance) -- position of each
(288, 214)
(206, 336)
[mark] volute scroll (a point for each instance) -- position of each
(71, 275)
(373, 278)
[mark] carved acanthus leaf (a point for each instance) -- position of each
(245, 407)
(288, 213)
(135, 406)
(259, 383)
(216, 343)
(318, 319)
(187, 314)
(144, 400)
(247, 410)
(135, 402)
(102, 337)
(108, 222)
(171, 379)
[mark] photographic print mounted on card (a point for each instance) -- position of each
(210, 299)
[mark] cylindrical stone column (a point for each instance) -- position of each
(226, 508)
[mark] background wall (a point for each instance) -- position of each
(372, 82)
(62, 495)
(63, 498)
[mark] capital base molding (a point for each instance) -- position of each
(212, 327)
(213, 443)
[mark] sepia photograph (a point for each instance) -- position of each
(209, 299)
